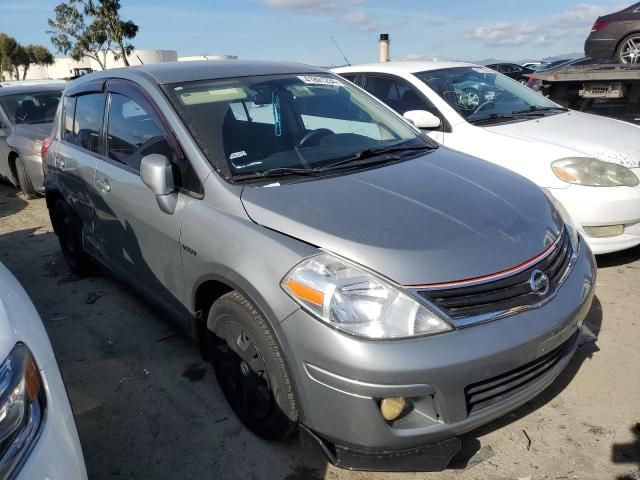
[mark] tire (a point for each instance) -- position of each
(24, 180)
(69, 230)
(622, 48)
(253, 375)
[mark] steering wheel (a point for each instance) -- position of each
(483, 105)
(314, 136)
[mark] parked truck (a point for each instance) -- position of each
(583, 87)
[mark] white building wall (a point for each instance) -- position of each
(63, 67)
(207, 56)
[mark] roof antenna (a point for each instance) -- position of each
(340, 50)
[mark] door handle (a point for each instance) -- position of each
(103, 185)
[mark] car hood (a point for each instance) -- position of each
(587, 135)
(20, 322)
(441, 217)
(37, 131)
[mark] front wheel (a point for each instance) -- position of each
(251, 368)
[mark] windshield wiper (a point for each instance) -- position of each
(370, 156)
(494, 117)
(378, 155)
(535, 110)
(277, 172)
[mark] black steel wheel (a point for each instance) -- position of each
(69, 230)
(251, 369)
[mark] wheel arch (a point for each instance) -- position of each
(211, 287)
(51, 198)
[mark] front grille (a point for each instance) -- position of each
(493, 390)
(509, 293)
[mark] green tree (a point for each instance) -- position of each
(12, 55)
(71, 35)
(36, 55)
(107, 13)
(92, 28)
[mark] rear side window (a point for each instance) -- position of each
(133, 133)
(87, 123)
(349, 76)
(69, 112)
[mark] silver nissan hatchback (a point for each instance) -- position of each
(345, 275)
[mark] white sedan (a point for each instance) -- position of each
(38, 437)
(589, 163)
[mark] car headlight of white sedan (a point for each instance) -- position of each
(350, 298)
(22, 408)
(592, 172)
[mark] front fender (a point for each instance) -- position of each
(247, 257)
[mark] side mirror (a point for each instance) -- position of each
(422, 119)
(156, 173)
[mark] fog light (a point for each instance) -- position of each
(391, 408)
(605, 231)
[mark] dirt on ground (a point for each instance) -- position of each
(148, 407)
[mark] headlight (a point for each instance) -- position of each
(566, 218)
(22, 406)
(351, 299)
(593, 173)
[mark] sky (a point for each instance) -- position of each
(300, 30)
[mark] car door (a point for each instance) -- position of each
(139, 241)
(402, 97)
(77, 153)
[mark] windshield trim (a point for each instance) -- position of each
(221, 165)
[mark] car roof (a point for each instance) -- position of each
(32, 88)
(401, 67)
(175, 72)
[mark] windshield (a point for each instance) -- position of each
(31, 108)
(480, 94)
(264, 124)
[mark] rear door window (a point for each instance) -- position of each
(87, 124)
(133, 132)
(69, 112)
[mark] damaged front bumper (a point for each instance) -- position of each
(446, 379)
(433, 457)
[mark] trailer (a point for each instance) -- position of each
(592, 87)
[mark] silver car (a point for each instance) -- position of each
(26, 117)
(344, 274)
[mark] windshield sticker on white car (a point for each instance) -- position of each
(317, 80)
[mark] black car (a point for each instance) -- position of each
(616, 36)
(512, 70)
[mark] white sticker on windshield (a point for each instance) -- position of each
(239, 154)
(320, 80)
